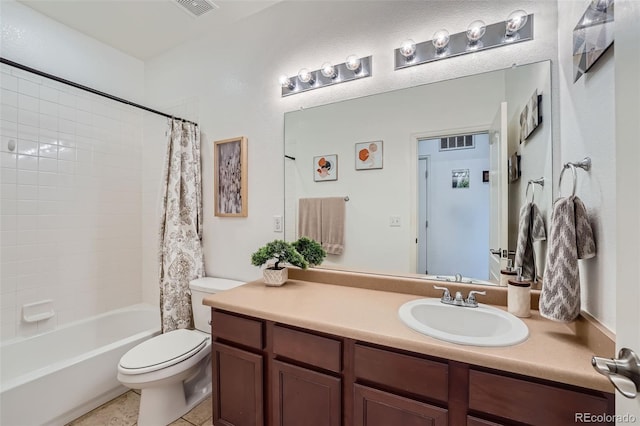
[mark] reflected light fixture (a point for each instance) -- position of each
(600, 5)
(328, 70)
(515, 21)
(477, 37)
(329, 74)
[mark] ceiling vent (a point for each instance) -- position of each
(196, 7)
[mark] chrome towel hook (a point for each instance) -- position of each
(585, 164)
(533, 182)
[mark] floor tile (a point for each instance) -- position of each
(208, 422)
(181, 422)
(122, 411)
(200, 413)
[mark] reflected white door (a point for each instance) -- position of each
(423, 200)
(498, 195)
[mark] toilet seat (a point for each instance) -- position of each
(162, 351)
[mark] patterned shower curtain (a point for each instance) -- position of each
(181, 257)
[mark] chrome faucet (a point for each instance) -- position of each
(459, 300)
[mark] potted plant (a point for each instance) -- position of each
(280, 252)
(311, 250)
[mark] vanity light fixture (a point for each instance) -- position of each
(354, 68)
(516, 28)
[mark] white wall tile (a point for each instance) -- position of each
(28, 118)
(48, 150)
(28, 132)
(9, 207)
(9, 97)
(28, 147)
(27, 162)
(47, 165)
(28, 103)
(9, 113)
(8, 175)
(8, 160)
(27, 192)
(27, 87)
(48, 93)
(9, 82)
(49, 108)
(47, 122)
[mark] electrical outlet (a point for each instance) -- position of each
(277, 223)
(394, 221)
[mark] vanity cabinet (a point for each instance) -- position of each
(266, 373)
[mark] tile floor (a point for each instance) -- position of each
(123, 411)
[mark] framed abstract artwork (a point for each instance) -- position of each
(368, 155)
(230, 177)
(325, 168)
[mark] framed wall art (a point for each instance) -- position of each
(369, 155)
(460, 178)
(531, 116)
(230, 177)
(325, 168)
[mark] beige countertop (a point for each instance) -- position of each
(553, 351)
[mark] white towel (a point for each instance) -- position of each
(570, 239)
(530, 229)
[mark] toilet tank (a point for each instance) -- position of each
(202, 287)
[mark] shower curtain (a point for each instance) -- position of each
(181, 257)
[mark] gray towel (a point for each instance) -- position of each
(530, 229)
(570, 239)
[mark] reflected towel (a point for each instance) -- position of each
(530, 229)
(570, 239)
(310, 218)
(333, 220)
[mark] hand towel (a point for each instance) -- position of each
(333, 220)
(530, 229)
(570, 239)
(310, 218)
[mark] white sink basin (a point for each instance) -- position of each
(481, 326)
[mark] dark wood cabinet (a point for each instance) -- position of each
(305, 397)
(265, 373)
(373, 407)
(237, 387)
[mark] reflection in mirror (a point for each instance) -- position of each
(443, 195)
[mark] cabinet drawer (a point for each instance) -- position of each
(309, 348)
(244, 331)
(402, 372)
(520, 400)
(373, 407)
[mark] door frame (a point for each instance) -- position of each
(413, 177)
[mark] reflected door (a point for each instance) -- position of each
(423, 224)
(498, 195)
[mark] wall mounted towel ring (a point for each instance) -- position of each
(533, 182)
(585, 164)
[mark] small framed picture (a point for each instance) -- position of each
(369, 155)
(325, 168)
(531, 116)
(230, 177)
(485, 176)
(460, 178)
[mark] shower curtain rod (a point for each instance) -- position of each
(88, 89)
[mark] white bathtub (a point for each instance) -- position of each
(54, 377)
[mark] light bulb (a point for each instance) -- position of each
(476, 30)
(515, 21)
(441, 39)
(328, 70)
(304, 75)
(285, 82)
(353, 63)
(408, 49)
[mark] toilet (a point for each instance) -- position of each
(173, 370)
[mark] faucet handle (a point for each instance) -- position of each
(446, 296)
(471, 299)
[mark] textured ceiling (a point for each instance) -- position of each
(144, 28)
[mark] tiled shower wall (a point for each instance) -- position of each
(70, 200)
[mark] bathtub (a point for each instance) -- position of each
(55, 377)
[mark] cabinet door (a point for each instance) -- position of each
(305, 397)
(237, 387)
(373, 407)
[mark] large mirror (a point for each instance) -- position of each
(435, 175)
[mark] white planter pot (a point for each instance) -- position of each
(275, 277)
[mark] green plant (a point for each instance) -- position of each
(281, 252)
(311, 250)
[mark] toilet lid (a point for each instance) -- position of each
(163, 350)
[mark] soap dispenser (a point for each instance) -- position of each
(508, 273)
(519, 296)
